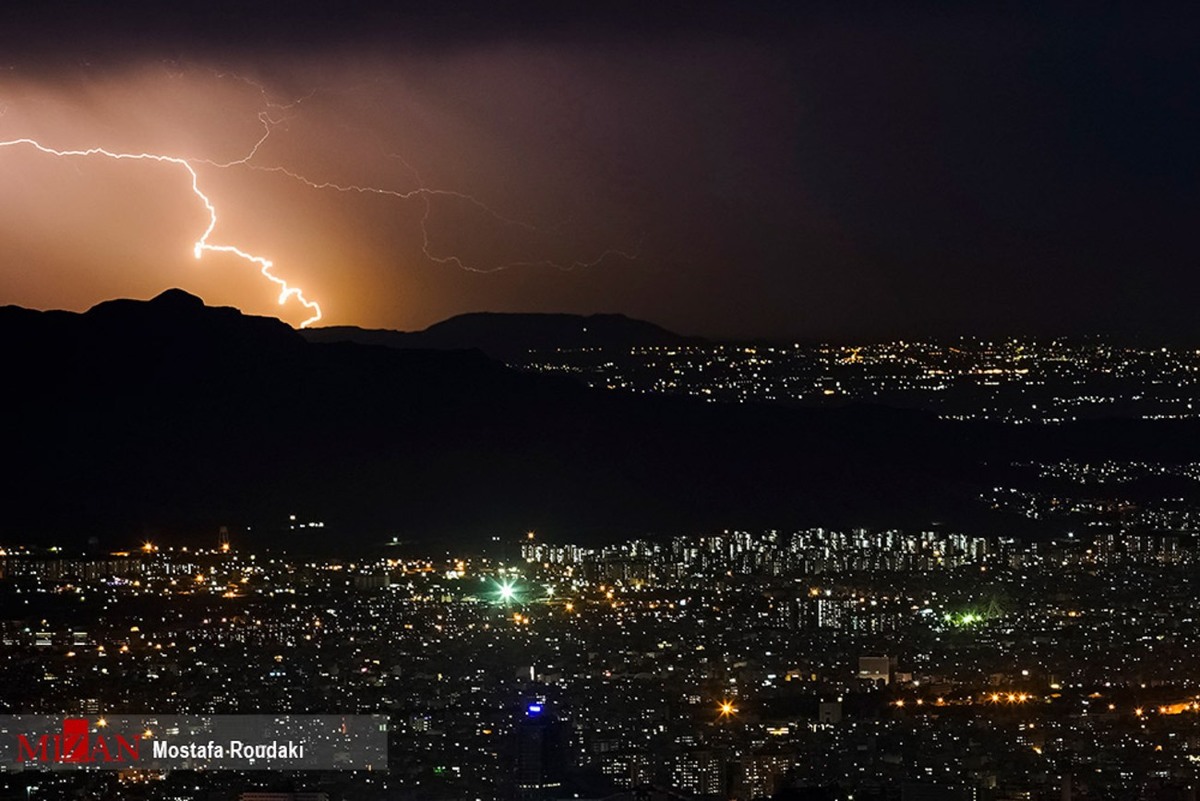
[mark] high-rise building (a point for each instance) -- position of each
(699, 772)
(542, 753)
(762, 774)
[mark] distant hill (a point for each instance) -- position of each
(509, 336)
(148, 418)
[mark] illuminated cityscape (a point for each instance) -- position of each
(1014, 380)
(730, 664)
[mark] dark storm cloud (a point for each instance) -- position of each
(792, 169)
(66, 30)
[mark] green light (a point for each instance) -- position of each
(506, 591)
(964, 619)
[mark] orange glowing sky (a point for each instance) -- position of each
(378, 198)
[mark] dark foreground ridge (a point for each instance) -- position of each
(168, 416)
(508, 336)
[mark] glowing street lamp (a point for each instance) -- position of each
(506, 591)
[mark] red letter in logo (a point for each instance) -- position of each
(74, 741)
(25, 751)
(123, 746)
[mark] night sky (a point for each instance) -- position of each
(833, 170)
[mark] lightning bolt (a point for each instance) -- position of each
(203, 244)
(422, 192)
(262, 89)
(425, 194)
